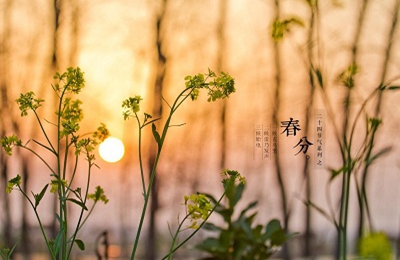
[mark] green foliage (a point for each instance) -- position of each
(69, 115)
(375, 246)
(8, 142)
(28, 102)
(16, 181)
(280, 27)
(241, 239)
(6, 253)
(347, 76)
(98, 195)
(218, 87)
(198, 207)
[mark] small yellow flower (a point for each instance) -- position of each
(13, 182)
(199, 207)
(231, 176)
(98, 195)
(55, 183)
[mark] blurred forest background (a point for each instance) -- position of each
(288, 59)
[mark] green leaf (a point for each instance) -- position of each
(38, 197)
(78, 203)
(394, 87)
(278, 238)
(80, 244)
(211, 245)
(211, 227)
(320, 78)
(250, 206)
(335, 173)
(156, 134)
(234, 193)
(272, 226)
(245, 225)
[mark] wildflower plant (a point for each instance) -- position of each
(218, 87)
(67, 125)
(199, 208)
(239, 238)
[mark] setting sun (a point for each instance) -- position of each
(111, 150)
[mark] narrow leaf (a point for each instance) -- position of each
(319, 77)
(393, 87)
(211, 227)
(78, 203)
(156, 134)
(39, 196)
(80, 244)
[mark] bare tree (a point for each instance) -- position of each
(311, 42)
(221, 27)
(157, 112)
(5, 119)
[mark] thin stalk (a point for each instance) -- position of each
(65, 196)
(78, 225)
(140, 157)
(146, 200)
(44, 132)
(174, 239)
(174, 107)
(40, 158)
(74, 172)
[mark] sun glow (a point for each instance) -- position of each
(111, 150)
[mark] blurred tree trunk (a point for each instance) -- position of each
(311, 43)
(220, 67)
(75, 20)
(25, 229)
(151, 251)
(4, 111)
(275, 119)
(54, 66)
(354, 58)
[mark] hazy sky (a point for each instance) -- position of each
(115, 47)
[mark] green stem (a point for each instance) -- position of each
(40, 158)
(174, 107)
(44, 132)
(174, 239)
(79, 225)
(140, 156)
